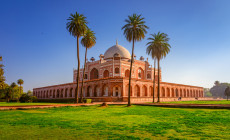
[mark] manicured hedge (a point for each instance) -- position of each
(2, 100)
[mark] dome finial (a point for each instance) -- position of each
(116, 42)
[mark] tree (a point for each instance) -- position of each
(30, 93)
(134, 30)
(2, 77)
(13, 89)
(158, 47)
(88, 41)
(227, 92)
(20, 82)
(9, 91)
(77, 26)
(149, 52)
(217, 83)
(218, 91)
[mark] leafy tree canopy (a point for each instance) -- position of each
(218, 90)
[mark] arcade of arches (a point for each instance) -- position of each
(105, 89)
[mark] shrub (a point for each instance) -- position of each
(87, 100)
(2, 100)
(13, 100)
(33, 98)
(24, 98)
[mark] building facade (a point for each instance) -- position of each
(107, 79)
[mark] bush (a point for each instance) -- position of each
(13, 100)
(27, 99)
(208, 94)
(2, 100)
(33, 98)
(87, 100)
(24, 98)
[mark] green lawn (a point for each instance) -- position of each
(199, 102)
(115, 122)
(21, 104)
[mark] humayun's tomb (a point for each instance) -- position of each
(107, 80)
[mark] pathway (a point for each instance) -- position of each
(211, 106)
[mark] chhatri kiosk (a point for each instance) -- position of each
(107, 79)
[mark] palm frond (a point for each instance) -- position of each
(77, 24)
(135, 28)
(158, 46)
(89, 39)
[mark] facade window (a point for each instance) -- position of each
(86, 76)
(116, 91)
(139, 74)
(148, 76)
(117, 70)
(106, 74)
(94, 74)
(127, 73)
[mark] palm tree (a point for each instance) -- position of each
(158, 47)
(77, 28)
(2, 77)
(150, 51)
(134, 30)
(20, 82)
(12, 89)
(88, 41)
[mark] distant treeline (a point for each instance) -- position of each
(217, 90)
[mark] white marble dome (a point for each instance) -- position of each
(122, 51)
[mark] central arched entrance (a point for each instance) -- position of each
(89, 92)
(116, 91)
(105, 90)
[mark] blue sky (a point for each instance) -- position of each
(36, 46)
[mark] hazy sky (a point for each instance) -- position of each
(36, 46)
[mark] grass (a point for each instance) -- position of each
(115, 122)
(22, 104)
(198, 102)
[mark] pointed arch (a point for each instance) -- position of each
(94, 74)
(105, 74)
(144, 91)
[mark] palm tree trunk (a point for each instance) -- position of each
(154, 80)
(78, 71)
(83, 76)
(158, 80)
(130, 75)
(20, 89)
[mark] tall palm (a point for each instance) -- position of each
(77, 26)
(20, 82)
(12, 90)
(2, 77)
(150, 51)
(158, 47)
(88, 41)
(134, 30)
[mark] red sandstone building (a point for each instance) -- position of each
(107, 80)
